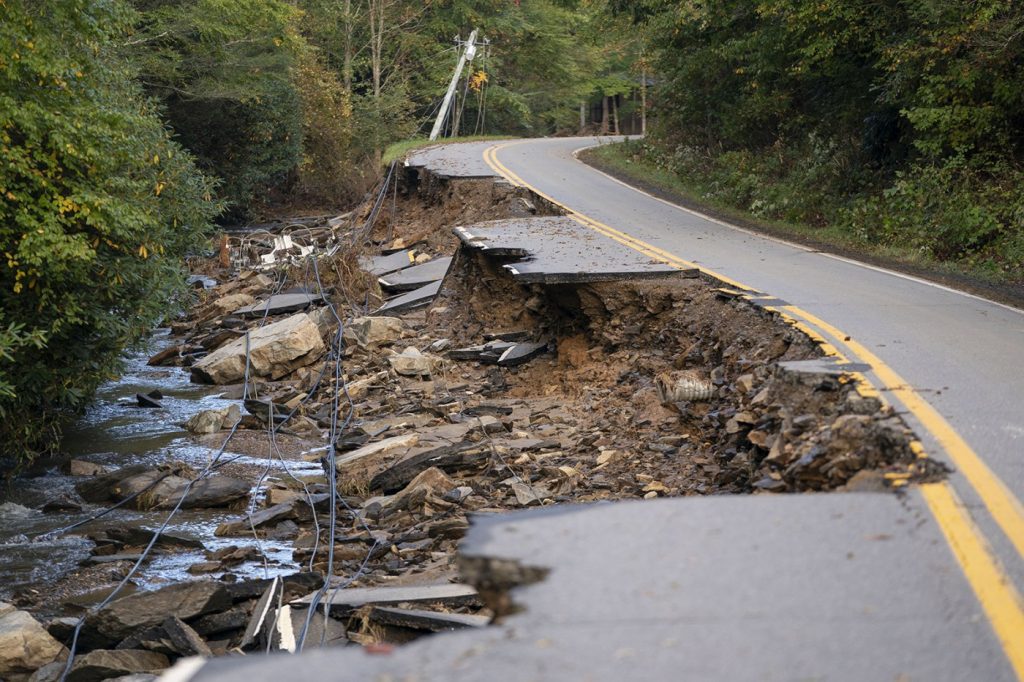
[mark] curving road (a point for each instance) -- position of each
(855, 586)
(951, 361)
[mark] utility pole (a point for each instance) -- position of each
(467, 56)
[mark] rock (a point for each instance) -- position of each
(147, 401)
(103, 664)
(294, 509)
(25, 645)
(528, 495)
(745, 383)
(275, 350)
(211, 421)
(367, 332)
(432, 482)
(227, 304)
(168, 356)
(62, 503)
(208, 493)
(867, 481)
(185, 640)
(411, 362)
(79, 467)
(145, 609)
(100, 489)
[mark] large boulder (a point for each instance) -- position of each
(275, 350)
(25, 645)
(141, 610)
(367, 332)
(212, 421)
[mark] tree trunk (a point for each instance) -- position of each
(347, 50)
(615, 112)
(583, 116)
(604, 114)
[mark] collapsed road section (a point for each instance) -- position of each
(540, 364)
(476, 354)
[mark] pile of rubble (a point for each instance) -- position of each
(477, 393)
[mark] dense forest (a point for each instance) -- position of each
(892, 124)
(131, 128)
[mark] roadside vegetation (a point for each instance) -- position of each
(895, 126)
(129, 129)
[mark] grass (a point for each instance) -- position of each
(621, 161)
(399, 150)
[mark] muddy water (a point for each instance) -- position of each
(115, 432)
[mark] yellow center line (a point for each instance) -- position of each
(996, 593)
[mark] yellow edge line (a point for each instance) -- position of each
(998, 597)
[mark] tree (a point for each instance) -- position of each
(99, 207)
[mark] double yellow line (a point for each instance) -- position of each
(996, 593)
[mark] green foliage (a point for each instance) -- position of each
(98, 207)
(900, 122)
(224, 70)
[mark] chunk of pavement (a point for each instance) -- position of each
(280, 304)
(431, 621)
(412, 363)
(416, 276)
(274, 351)
(261, 612)
(370, 332)
(489, 352)
(346, 600)
(25, 645)
(212, 421)
(280, 632)
(186, 600)
(103, 664)
(520, 353)
(382, 265)
(186, 641)
(413, 299)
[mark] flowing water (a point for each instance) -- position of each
(115, 432)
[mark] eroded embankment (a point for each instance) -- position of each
(498, 395)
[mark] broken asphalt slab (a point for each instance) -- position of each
(382, 265)
(279, 304)
(416, 276)
(413, 299)
(837, 587)
(558, 250)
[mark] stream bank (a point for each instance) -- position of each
(482, 393)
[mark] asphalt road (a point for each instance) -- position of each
(799, 587)
(929, 346)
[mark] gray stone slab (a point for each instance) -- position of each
(557, 249)
(280, 304)
(414, 299)
(838, 587)
(416, 276)
(355, 597)
(382, 265)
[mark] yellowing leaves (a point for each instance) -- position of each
(159, 188)
(143, 251)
